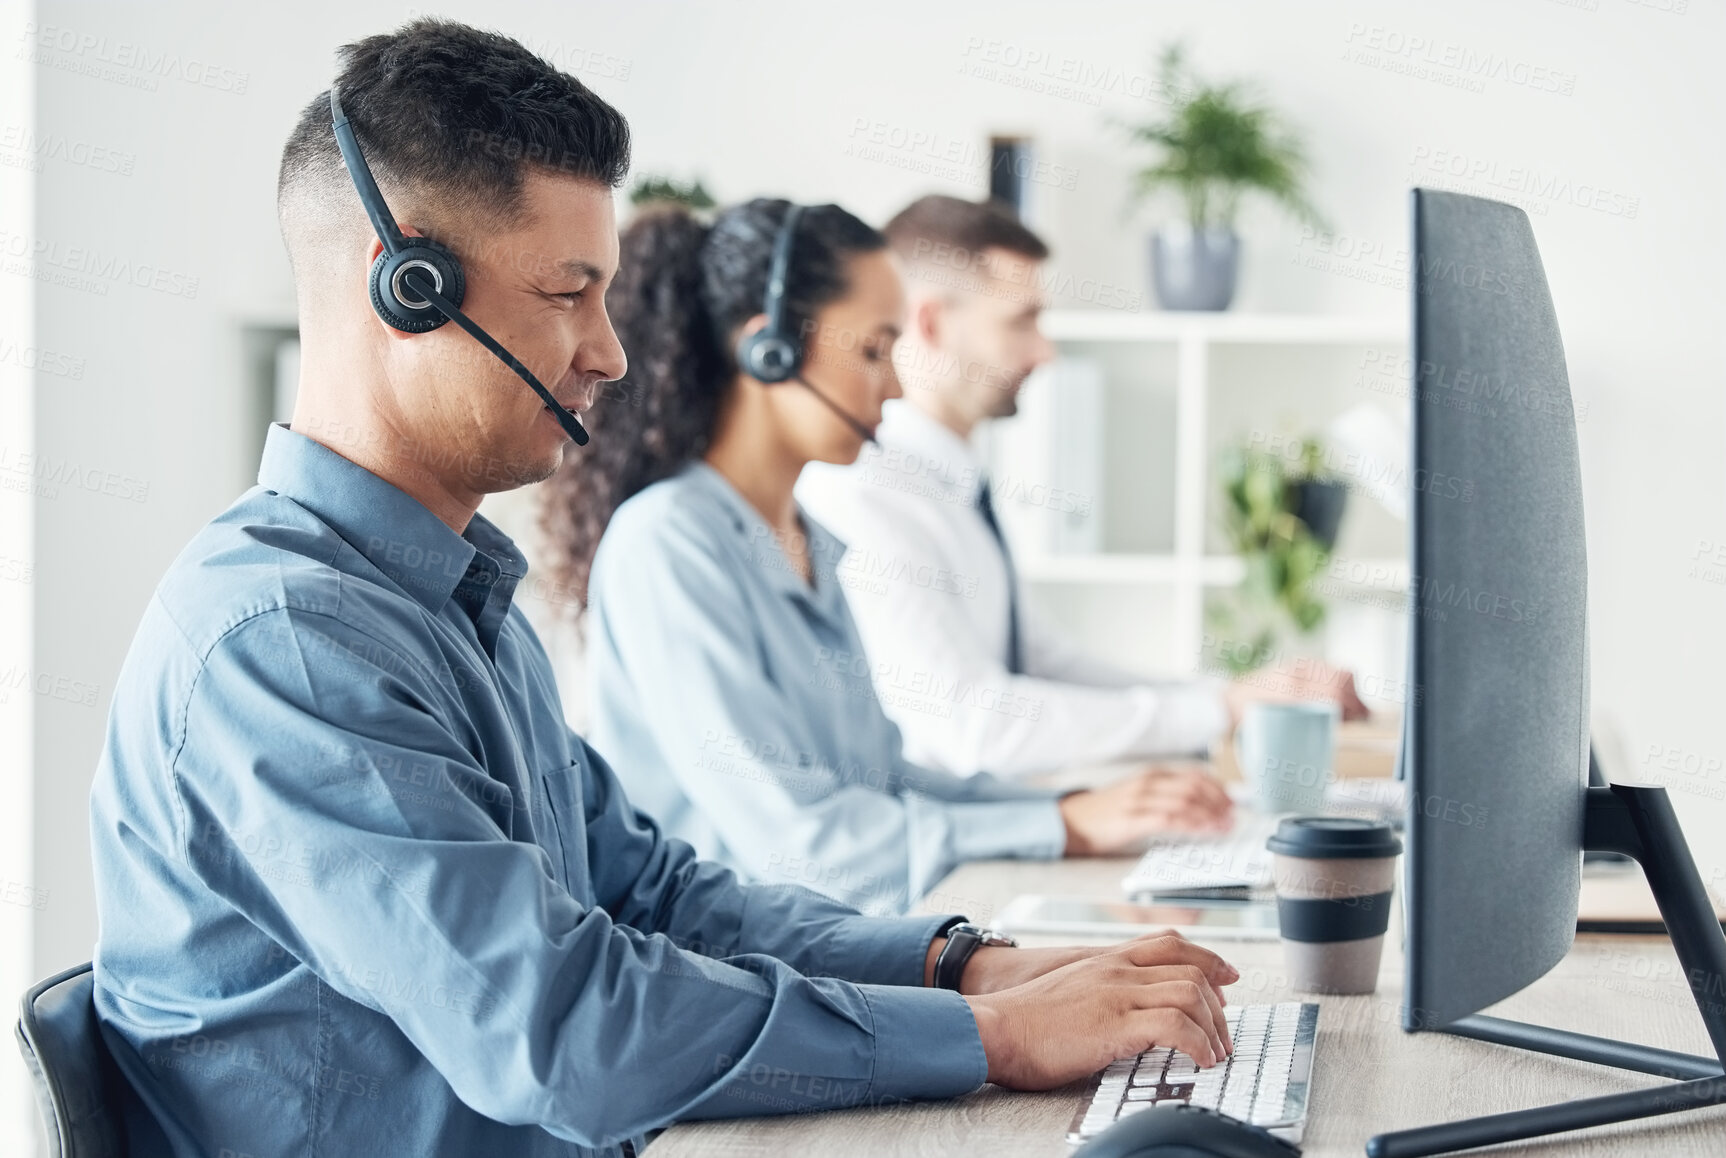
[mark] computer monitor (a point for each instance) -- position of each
(1495, 734)
(1497, 713)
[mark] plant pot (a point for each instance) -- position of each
(1194, 269)
(1320, 505)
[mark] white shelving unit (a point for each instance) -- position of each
(1192, 356)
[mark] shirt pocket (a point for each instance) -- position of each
(561, 823)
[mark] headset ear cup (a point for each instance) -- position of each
(399, 315)
(381, 303)
(768, 357)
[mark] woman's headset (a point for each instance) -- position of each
(772, 354)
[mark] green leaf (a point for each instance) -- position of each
(1216, 142)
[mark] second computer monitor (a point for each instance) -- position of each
(1496, 728)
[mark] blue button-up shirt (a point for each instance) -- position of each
(363, 892)
(738, 703)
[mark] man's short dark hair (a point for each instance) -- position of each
(456, 117)
(969, 227)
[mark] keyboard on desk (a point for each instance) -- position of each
(1263, 1082)
(1236, 857)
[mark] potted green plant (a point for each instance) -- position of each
(1215, 144)
(1281, 513)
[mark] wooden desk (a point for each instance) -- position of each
(1368, 1075)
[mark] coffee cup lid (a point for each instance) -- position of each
(1334, 838)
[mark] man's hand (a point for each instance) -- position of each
(1111, 819)
(993, 969)
(1323, 683)
(1160, 990)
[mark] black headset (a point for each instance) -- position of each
(416, 284)
(772, 354)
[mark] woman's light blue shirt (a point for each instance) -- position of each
(736, 700)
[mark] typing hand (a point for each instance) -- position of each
(1074, 1020)
(991, 970)
(1111, 819)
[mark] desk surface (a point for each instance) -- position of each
(1368, 1076)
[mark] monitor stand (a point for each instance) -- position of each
(1597, 779)
(1637, 821)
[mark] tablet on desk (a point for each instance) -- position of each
(1237, 920)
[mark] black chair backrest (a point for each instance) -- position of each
(76, 1078)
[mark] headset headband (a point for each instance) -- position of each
(774, 307)
(383, 221)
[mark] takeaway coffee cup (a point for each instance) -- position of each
(1285, 752)
(1333, 880)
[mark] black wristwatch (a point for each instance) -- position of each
(963, 940)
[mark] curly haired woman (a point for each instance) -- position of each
(725, 671)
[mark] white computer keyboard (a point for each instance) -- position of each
(1263, 1082)
(1235, 857)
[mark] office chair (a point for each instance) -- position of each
(76, 1078)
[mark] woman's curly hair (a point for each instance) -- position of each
(683, 291)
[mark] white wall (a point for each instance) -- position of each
(773, 99)
(19, 354)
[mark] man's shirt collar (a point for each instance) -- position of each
(916, 452)
(395, 532)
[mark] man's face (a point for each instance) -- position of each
(538, 287)
(987, 337)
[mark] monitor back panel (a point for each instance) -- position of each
(1496, 740)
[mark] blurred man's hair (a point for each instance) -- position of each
(960, 231)
(450, 119)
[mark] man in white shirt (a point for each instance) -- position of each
(974, 679)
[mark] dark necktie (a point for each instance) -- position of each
(986, 506)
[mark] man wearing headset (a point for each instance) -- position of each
(361, 890)
(918, 504)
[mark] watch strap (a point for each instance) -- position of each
(962, 941)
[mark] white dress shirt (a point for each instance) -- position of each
(933, 595)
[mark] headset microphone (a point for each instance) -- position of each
(771, 354)
(863, 432)
(418, 284)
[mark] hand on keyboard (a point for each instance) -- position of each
(992, 970)
(1265, 1083)
(1153, 991)
(1157, 800)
